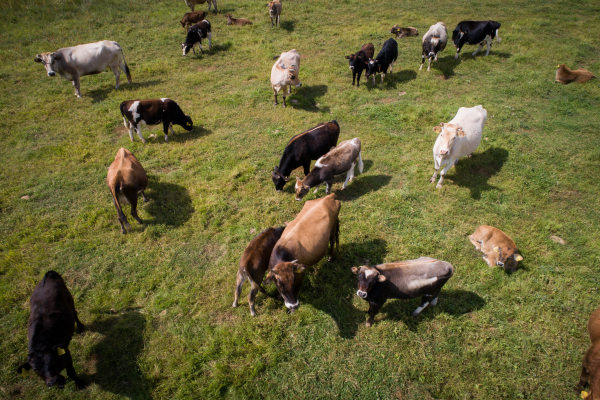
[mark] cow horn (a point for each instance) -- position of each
(295, 261)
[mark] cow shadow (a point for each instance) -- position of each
(306, 96)
(116, 355)
(362, 185)
(185, 136)
(288, 25)
(99, 95)
(391, 80)
(468, 56)
(475, 172)
(445, 65)
(218, 48)
(169, 204)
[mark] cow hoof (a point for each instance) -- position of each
(274, 104)
(439, 186)
(368, 324)
(431, 180)
(235, 304)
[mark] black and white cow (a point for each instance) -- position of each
(473, 32)
(201, 30)
(386, 58)
(152, 112)
(358, 61)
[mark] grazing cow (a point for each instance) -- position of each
(274, 11)
(50, 329)
(285, 73)
(403, 32)
(192, 18)
(497, 247)
(86, 59)
(192, 3)
(566, 75)
(302, 148)
(434, 42)
(338, 161)
(126, 179)
(255, 263)
(386, 58)
(237, 21)
(153, 112)
(590, 369)
(358, 61)
(473, 32)
(402, 280)
(201, 30)
(459, 137)
(302, 244)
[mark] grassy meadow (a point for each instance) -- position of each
(157, 301)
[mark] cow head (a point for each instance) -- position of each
(301, 189)
(367, 277)
(48, 59)
(457, 36)
(47, 362)
(448, 133)
(272, 10)
(278, 179)
(373, 67)
(292, 76)
(188, 124)
(395, 30)
(288, 278)
(186, 47)
(508, 257)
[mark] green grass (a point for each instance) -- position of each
(157, 301)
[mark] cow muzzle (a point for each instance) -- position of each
(292, 307)
(500, 263)
(361, 294)
(51, 73)
(443, 152)
(298, 85)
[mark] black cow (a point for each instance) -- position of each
(473, 32)
(302, 148)
(386, 58)
(195, 35)
(152, 112)
(358, 61)
(50, 329)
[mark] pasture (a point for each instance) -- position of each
(157, 301)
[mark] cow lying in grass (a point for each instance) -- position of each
(497, 247)
(566, 75)
(237, 21)
(403, 32)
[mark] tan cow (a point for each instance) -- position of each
(590, 369)
(302, 244)
(192, 18)
(192, 3)
(126, 179)
(274, 11)
(237, 21)
(403, 32)
(497, 247)
(285, 73)
(566, 75)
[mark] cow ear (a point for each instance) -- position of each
(268, 279)
(496, 249)
(276, 169)
(299, 269)
(24, 369)
(518, 257)
(38, 58)
(381, 278)
(55, 56)
(347, 57)
(460, 132)
(286, 179)
(295, 262)
(355, 270)
(286, 223)
(438, 128)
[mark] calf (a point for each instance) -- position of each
(237, 21)
(86, 59)
(358, 61)
(402, 280)
(192, 3)
(433, 42)
(192, 18)
(566, 75)
(152, 112)
(590, 369)
(274, 11)
(459, 137)
(497, 247)
(254, 264)
(338, 161)
(50, 329)
(285, 73)
(126, 179)
(473, 32)
(303, 148)
(386, 58)
(403, 32)
(302, 244)
(200, 31)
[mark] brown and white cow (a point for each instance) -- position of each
(274, 11)
(153, 112)
(590, 369)
(424, 277)
(126, 179)
(237, 21)
(86, 59)
(304, 243)
(403, 32)
(497, 247)
(285, 73)
(192, 18)
(192, 3)
(566, 75)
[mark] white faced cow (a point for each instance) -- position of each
(86, 59)
(285, 73)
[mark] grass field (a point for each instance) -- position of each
(157, 301)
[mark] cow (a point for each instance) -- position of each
(274, 11)
(285, 73)
(195, 34)
(192, 3)
(50, 330)
(303, 148)
(459, 137)
(403, 32)
(424, 277)
(237, 21)
(434, 41)
(255, 263)
(386, 58)
(302, 244)
(85, 59)
(566, 75)
(497, 247)
(338, 161)
(590, 369)
(473, 32)
(358, 61)
(153, 112)
(126, 179)
(192, 18)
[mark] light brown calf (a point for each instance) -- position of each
(274, 11)
(192, 18)
(497, 247)
(566, 75)
(403, 32)
(237, 21)
(590, 369)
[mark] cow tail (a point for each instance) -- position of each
(124, 63)
(114, 189)
(360, 163)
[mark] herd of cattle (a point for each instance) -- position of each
(281, 255)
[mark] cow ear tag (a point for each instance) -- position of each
(60, 351)
(518, 257)
(496, 249)
(558, 66)
(584, 394)
(188, 124)
(24, 372)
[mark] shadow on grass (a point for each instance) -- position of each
(362, 185)
(391, 80)
(99, 95)
(288, 25)
(185, 136)
(217, 48)
(468, 56)
(306, 97)
(445, 65)
(169, 204)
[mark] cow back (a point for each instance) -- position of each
(414, 278)
(341, 158)
(127, 171)
(472, 120)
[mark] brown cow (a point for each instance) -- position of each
(566, 75)
(192, 3)
(497, 247)
(403, 32)
(274, 11)
(302, 244)
(590, 370)
(237, 21)
(126, 179)
(192, 18)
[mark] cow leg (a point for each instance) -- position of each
(166, 126)
(240, 279)
(138, 130)
(71, 371)
(200, 45)
(215, 3)
(332, 240)
(328, 187)
(457, 51)
(488, 39)
(373, 310)
(476, 243)
(252, 296)
(76, 86)
(317, 188)
(275, 93)
(443, 174)
(349, 176)
(134, 213)
(210, 38)
(422, 62)
(121, 216)
(144, 196)
(373, 79)
(129, 126)
(80, 327)
(353, 77)
(278, 20)
(283, 95)
(382, 76)
(424, 303)
(392, 67)
(437, 167)
(117, 73)
(358, 79)
(429, 64)
(433, 302)
(272, 22)
(479, 48)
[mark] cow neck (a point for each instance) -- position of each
(313, 178)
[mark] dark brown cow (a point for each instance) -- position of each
(237, 21)
(126, 179)
(590, 369)
(566, 75)
(192, 18)
(358, 61)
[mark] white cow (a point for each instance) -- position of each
(458, 138)
(285, 73)
(86, 59)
